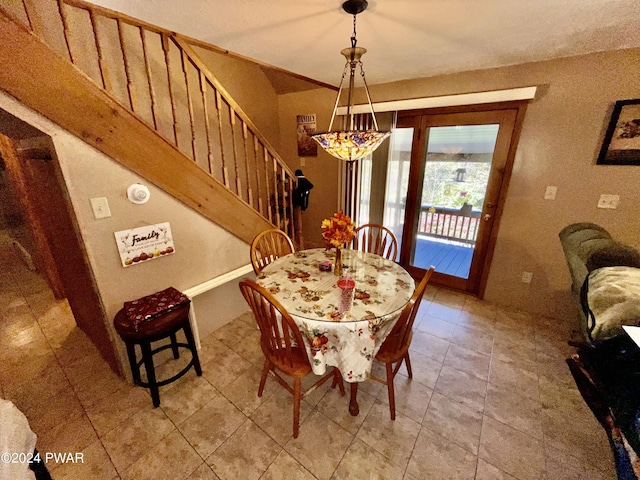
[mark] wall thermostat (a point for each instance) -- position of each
(138, 194)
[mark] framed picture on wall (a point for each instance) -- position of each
(621, 144)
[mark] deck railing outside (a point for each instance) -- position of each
(158, 76)
(449, 223)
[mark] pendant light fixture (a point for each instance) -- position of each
(352, 143)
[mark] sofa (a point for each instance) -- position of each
(605, 281)
(605, 284)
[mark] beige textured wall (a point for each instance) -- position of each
(322, 170)
(561, 137)
(250, 88)
(203, 250)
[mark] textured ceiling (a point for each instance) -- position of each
(404, 38)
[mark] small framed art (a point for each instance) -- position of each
(621, 144)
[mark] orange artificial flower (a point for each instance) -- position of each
(338, 230)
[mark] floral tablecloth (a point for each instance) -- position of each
(347, 340)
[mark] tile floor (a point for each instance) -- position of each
(491, 398)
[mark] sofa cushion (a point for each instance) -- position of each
(614, 254)
(613, 297)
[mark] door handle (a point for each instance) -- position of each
(487, 216)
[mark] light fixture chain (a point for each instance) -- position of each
(353, 38)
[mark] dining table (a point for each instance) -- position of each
(346, 317)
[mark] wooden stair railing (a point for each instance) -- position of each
(157, 76)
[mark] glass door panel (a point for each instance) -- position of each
(457, 165)
(397, 180)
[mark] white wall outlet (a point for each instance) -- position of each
(100, 207)
(302, 161)
(608, 201)
(527, 277)
(550, 193)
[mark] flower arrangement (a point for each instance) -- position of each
(338, 230)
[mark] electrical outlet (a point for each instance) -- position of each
(608, 201)
(527, 277)
(550, 193)
(302, 161)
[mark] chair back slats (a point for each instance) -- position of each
(402, 330)
(378, 239)
(268, 246)
(279, 335)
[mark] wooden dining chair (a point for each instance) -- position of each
(283, 347)
(269, 245)
(395, 348)
(378, 239)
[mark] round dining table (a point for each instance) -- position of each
(345, 318)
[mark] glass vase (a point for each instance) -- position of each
(337, 268)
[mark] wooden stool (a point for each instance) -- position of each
(162, 326)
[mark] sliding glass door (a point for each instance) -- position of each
(446, 178)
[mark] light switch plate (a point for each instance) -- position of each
(100, 207)
(550, 193)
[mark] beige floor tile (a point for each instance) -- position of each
(576, 434)
(450, 313)
(203, 472)
(437, 327)
(95, 465)
(172, 457)
(430, 346)
(486, 471)
(517, 411)
(454, 421)
(134, 437)
(363, 462)
(275, 415)
(512, 377)
(319, 432)
(249, 348)
(117, 407)
(468, 361)
(478, 322)
(412, 398)
(336, 408)
(243, 391)
(448, 297)
(236, 332)
(481, 342)
(393, 439)
(51, 411)
(480, 308)
(286, 467)
(503, 447)
(561, 466)
(435, 457)
(92, 390)
(246, 454)
(185, 397)
(29, 387)
(224, 368)
(520, 354)
(210, 426)
(425, 369)
(70, 435)
(465, 388)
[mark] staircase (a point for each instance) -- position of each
(141, 95)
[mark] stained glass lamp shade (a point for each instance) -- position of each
(351, 144)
